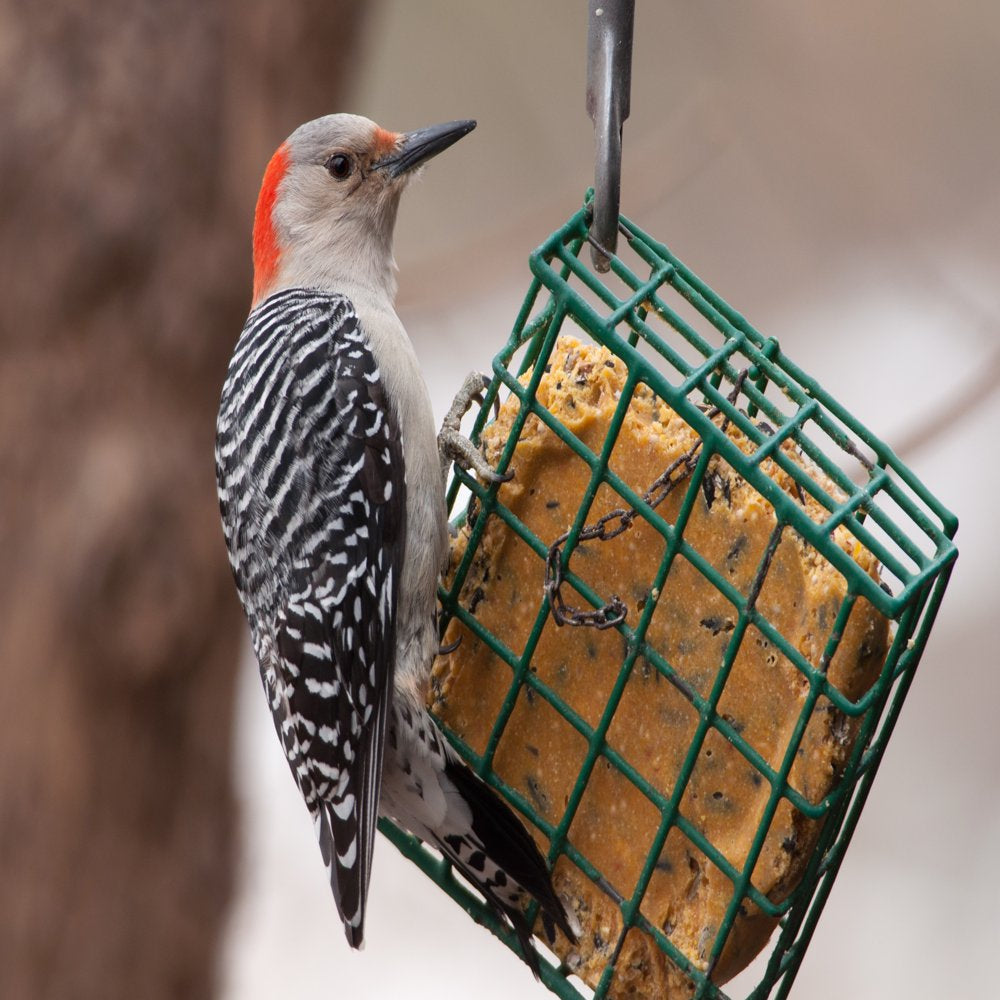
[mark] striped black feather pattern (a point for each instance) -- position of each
(312, 491)
(501, 859)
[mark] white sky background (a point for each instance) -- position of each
(831, 170)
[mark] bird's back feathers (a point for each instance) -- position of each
(313, 496)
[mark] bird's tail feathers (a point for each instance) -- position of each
(349, 890)
(502, 860)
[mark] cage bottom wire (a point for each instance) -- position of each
(699, 356)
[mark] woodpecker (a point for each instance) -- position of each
(332, 498)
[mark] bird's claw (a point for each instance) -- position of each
(454, 446)
(475, 384)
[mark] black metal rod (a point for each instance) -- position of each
(609, 80)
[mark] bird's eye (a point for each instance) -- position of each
(339, 166)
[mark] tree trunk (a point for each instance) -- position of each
(131, 142)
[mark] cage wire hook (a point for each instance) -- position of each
(609, 80)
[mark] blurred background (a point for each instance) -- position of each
(831, 169)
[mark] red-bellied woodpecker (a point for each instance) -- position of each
(333, 509)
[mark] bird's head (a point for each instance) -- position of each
(327, 204)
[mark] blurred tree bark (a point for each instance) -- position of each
(132, 139)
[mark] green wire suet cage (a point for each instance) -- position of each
(701, 357)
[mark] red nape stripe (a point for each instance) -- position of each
(384, 141)
(265, 240)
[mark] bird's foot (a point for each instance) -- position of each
(454, 446)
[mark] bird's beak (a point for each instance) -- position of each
(414, 148)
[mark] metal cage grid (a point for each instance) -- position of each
(699, 356)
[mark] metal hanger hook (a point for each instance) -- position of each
(609, 80)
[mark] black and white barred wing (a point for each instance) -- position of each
(324, 512)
